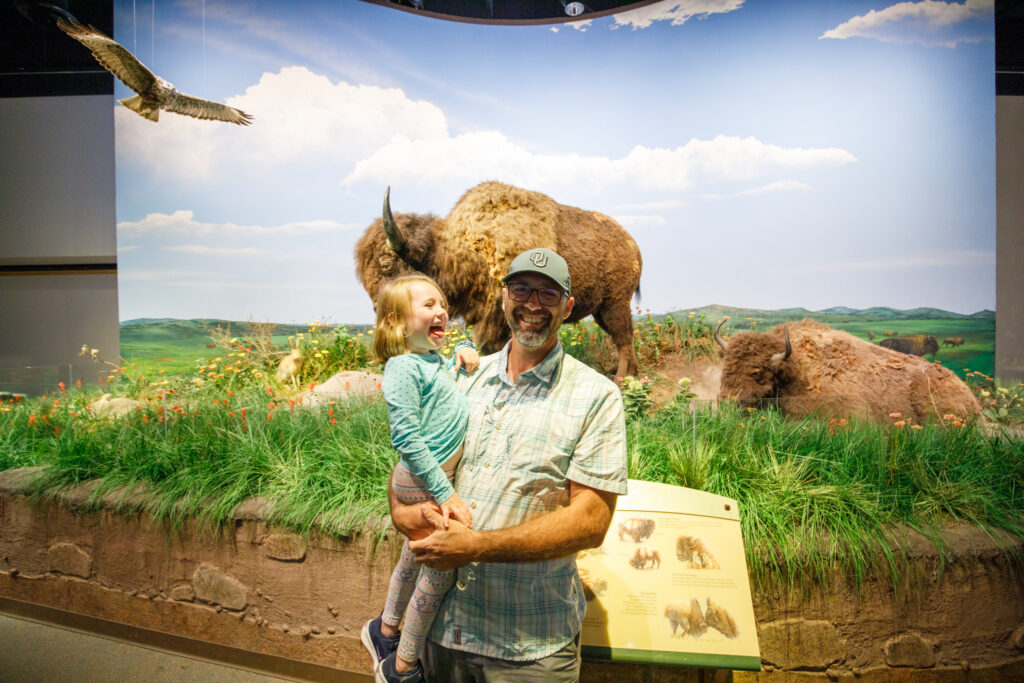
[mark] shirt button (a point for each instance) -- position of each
(473, 505)
(497, 427)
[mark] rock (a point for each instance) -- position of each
(344, 385)
(68, 558)
(212, 586)
(253, 508)
(183, 593)
(909, 650)
(801, 644)
(1017, 638)
(284, 547)
(20, 480)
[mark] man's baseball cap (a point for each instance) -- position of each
(543, 261)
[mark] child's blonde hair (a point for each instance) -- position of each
(394, 306)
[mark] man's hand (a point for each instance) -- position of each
(414, 520)
(443, 550)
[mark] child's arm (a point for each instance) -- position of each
(402, 388)
(455, 508)
(465, 356)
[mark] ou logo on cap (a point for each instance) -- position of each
(539, 259)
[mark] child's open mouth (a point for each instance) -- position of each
(437, 331)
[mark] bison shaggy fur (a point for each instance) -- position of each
(831, 372)
(468, 252)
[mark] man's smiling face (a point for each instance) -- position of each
(532, 323)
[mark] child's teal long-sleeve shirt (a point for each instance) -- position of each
(428, 416)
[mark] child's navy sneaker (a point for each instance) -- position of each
(376, 643)
(386, 672)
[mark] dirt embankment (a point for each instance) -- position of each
(267, 589)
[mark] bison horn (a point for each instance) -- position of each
(395, 238)
(718, 337)
(780, 357)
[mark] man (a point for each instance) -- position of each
(543, 462)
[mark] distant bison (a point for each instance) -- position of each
(688, 618)
(468, 252)
(636, 528)
(694, 554)
(915, 344)
(807, 367)
(953, 341)
(890, 334)
(871, 335)
(644, 555)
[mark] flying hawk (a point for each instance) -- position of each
(154, 93)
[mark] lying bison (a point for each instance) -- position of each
(810, 368)
(468, 252)
(914, 344)
(636, 529)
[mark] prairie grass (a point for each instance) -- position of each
(814, 495)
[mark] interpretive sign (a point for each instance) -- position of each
(669, 585)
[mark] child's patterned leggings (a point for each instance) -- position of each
(415, 590)
(421, 590)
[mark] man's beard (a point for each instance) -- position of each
(531, 339)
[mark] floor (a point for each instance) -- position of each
(32, 651)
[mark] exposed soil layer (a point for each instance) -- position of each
(267, 589)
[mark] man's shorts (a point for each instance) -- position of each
(455, 666)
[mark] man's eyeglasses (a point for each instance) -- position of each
(517, 291)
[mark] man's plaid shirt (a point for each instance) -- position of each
(560, 421)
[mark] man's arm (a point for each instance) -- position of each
(580, 525)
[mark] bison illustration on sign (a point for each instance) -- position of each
(686, 617)
(914, 344)
(808, 367)
(637, 529)
(468, 252)
(642, 556)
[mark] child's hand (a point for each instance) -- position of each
(467, 357)
(456, 508)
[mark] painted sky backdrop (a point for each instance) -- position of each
(763, 154)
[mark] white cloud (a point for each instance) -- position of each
(183, 222)
(554, 29)
(122, 250)
(937, 259)
(634, 222)
(216, 251)
(676, 11)
(298, 116)
(779, 186)
(667, 205)
(929, 22)
(464, 159)
(580, 26)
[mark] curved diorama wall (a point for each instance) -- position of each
(268, 589)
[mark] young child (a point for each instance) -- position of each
(428, 418)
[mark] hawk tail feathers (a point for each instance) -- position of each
(137, 106)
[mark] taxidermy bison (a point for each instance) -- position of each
(810, 368)
(636, 529)
(914, 344)
(468, 252)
